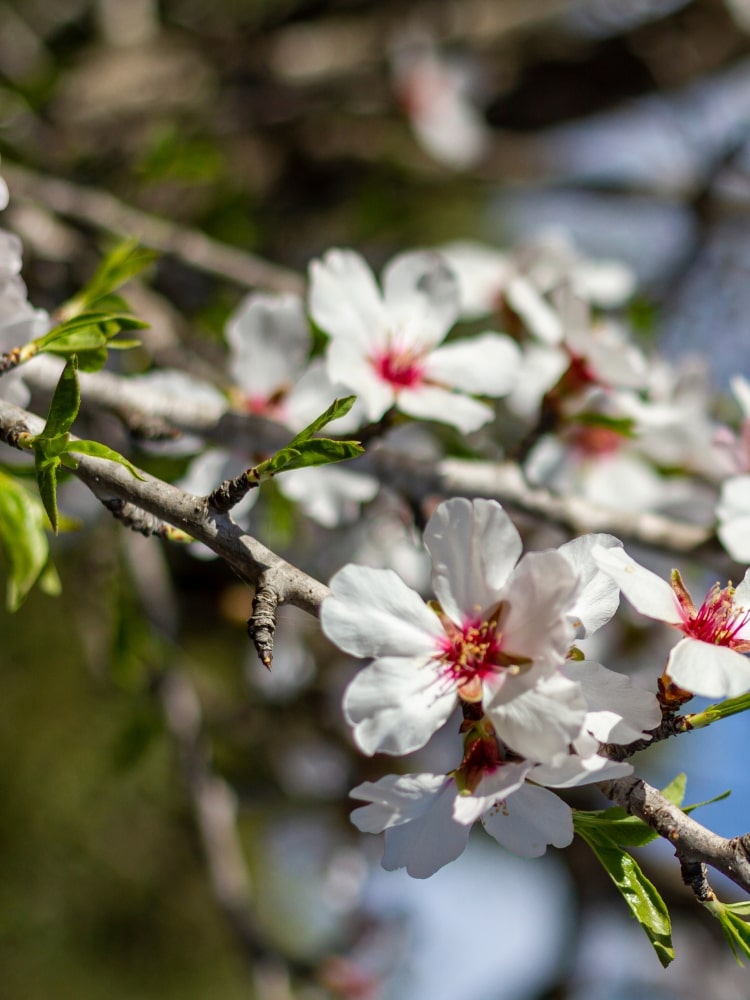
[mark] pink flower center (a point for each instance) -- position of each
(403, 369)
(473, 652)
(718, 620)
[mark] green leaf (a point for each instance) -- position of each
(66, 402)
(23, 539)
(338, 408)
(674, 792)
(614, 825)
(97, 450)
(722, 710)
(318, 451)
(50, 582)
(325, 451)
(120, 265)
(736, 930)
(640, 895)
(624, 426)
(93, 361)
(46, 478)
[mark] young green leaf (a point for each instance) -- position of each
(122, 263)
(736, 930)
(102, 451)
(615, 825)
(338, 408)
(46, 478)
(674, 792)
(23, 539)
(640, 895)
(66, 402)
(318, 451)
(722, 710)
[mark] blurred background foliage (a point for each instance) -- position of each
(281, 127)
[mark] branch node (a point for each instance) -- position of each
(14, 433)
(229, 493)
(695, 876)
(262, 624)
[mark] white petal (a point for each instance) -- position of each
(270, 341)
(541, 722)
(494, 786)
(647, 592)
(709, 670)
(534, 310)
(427, 844)
(348, 366)
(396, 704)
(486, 365)
(474, 547)
(541, 368)
(573, 771)
(329, 495)
(395, 799)
(529, 820)
(421, 296)
(345, 300)
(538, 595)
(742, 594)
(481, 272)
(373, 613)
(741, 388)
(429, 402)
(4, 195)
(618, 711)
(733, 512)
(415, 810)
(599, 595)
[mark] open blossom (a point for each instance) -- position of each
(386, 346)
(427, 818)
(709, 660)
(499, 636)
(269, 346)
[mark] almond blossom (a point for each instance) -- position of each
(269, 346)
(386, 346)
(709, 660)
(499, 636)
(427, 817)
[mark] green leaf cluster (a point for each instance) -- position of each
(92, 319)
(736, 929)
(304, 450)
(53, 447)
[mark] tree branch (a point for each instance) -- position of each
(693, 843)
(103, 211)
(248, 557)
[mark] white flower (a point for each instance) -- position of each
(269, 344)
(709, 661)
(733, 513)
(427, 819)
(434, 94)
(526, 277)
(385, 346)
(500, 635)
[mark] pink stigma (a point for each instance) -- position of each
(719, 621)
(403, 369)
(471, 653)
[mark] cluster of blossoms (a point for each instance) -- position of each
(496, 643)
